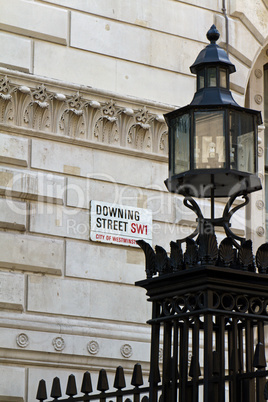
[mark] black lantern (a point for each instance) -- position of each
(213, 141)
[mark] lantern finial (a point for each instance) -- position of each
(213, 34)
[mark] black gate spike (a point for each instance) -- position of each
(86, 387)
(157, 375)
(119, 380)
(41, 391)
(259, 360)
(71, 389)
(176, 256)
(103, 384)
(56, 389)
(245, 256)
(208, 248)
(149, 257)
(191, 370)
(216, 363)
(235, 356)
(137, 379)
(262, 258)
(227, 252)
(266, 391)
(191, 253)
(162, 260)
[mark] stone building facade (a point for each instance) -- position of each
(83, 89)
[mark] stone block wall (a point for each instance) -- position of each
(83, 90)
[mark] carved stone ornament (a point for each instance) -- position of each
(258, 99)
(93, 347)
(75, 115)
(260, 204)
(58, 343)
(22, 340)
(4, 84)
(258, 73)
(163, 143)
(260, 151)
(260, 231)
(126, 351)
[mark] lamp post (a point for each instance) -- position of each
(210, 301)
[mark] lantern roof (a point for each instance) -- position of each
(212, 54)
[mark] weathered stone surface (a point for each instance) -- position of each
(101, 262)
(36, 20)
(243, 46)
(13, 150)
(141, 13)
(59, 221)
(80, 298)
(12, 214)
(113, 74)
(86, 162)
(112, 38)
(59, 296)
(29, 253)
(34, 186)
(253, 14)
(11, 291)
(239, 81)
(15, 376)
(117, 301)
(16, 52)
(81, 191)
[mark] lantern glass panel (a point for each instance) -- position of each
(223, 78)
(242, 142)
(209, 140)
(212, 76)
(201, 79)
(180, 129)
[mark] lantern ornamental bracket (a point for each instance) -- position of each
(207, 225)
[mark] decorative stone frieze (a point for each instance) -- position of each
(74, 115)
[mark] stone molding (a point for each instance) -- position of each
(76, 349)
(78, 115)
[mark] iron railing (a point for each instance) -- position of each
(137, 393)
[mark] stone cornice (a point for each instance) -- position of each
(84, 116)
